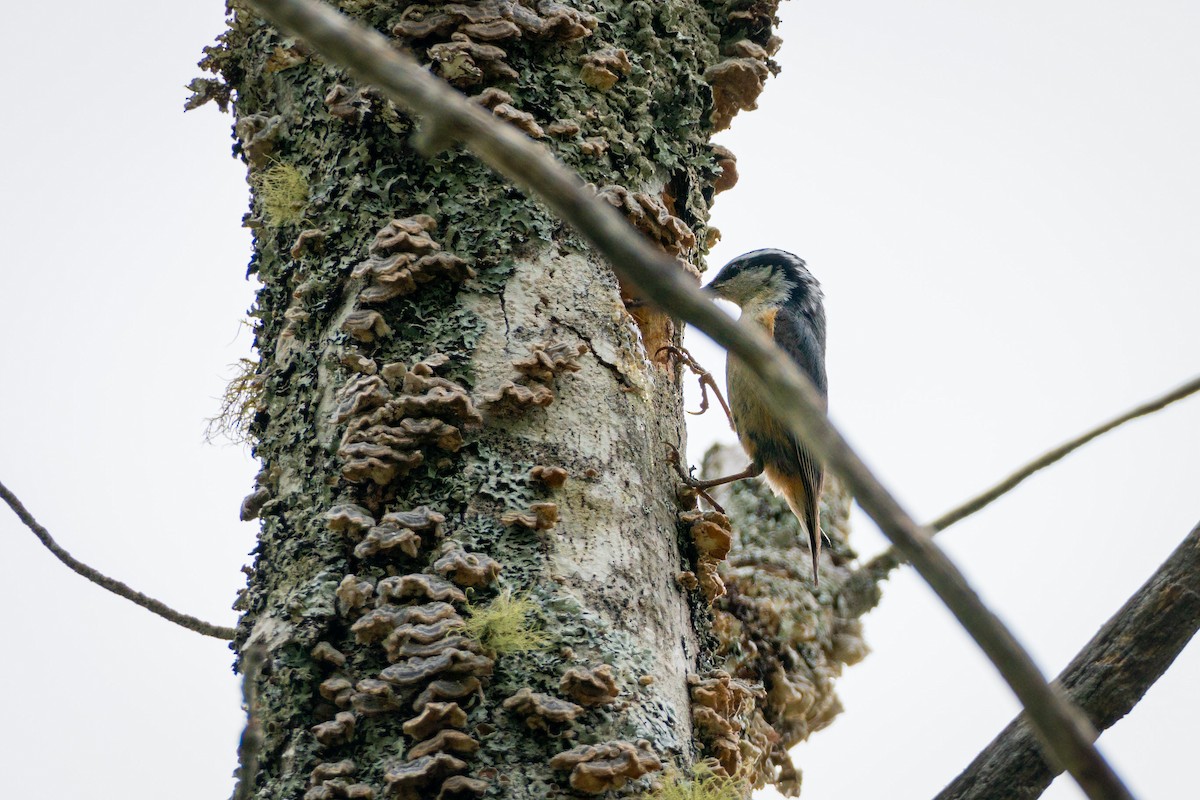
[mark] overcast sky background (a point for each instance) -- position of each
(1000, 199)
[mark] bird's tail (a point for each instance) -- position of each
(809, 514)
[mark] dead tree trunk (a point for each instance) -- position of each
(472, 574)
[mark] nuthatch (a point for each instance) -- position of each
(777, 292)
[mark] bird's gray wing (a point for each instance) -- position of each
(804, 340)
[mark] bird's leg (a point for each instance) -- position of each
(705, 378)
(752, 471)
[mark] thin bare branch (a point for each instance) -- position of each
(447, 117)
(252, 736)
(1107, 678)
(112, 585)
(860, 587)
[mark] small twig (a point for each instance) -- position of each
(878, 568)
(112, 585)
(1107, 678)
(252, 736)
(705, 378)
(785, 391)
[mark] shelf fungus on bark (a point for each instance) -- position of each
(464, 62)
(258, 134)
(337, 690)
(651, 216)
(405, 531)
(335, 781)
(542, 711)
(467, 569)
(336, 731)
(563, 129)
(373, 697)
(328, 654)
(420, 778)
(499, 102)
(537, 372)
(721, 708)
(597, 768)
(727, 164)
(590, 686)
(366, 326)
(402, 257)
(446, 740)
(435, 717)
(451, 663)
(418, 585)
(540, 517)
(552, 477)
(738, 81)
(603, 68)
(398, 414)
(348, 105)
(496, 20)
(352, 594)
(713, 536)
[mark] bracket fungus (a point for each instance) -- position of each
(738, 81)
(552, 477)
(446, 740)
(353, 593)
(603, 68)
(373, 697)
(311, 240)
(537, 371)
(500, 104)
(727, 164)
(448, 689)
(366, 326)
(418, 585)
(597, 768)
(402, 257)
(336, 731)
(540, 517)
(435, 717)
(467, 569)
(542, 711)
(464, 62)
(652, 217)
(337, 690)
(391, 426)
(329, 654)
(450, 661)
(348, 105)
(590, 686)
(416, 779)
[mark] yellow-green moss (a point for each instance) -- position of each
(703, 784)
(284, 194)
(503, 625)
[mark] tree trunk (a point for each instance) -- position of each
(472, 561)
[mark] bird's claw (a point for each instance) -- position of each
(705, 378)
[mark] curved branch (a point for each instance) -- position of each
(1107, 678)
(111, 584)
(447, 116)
(877, 569)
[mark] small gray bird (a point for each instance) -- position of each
(776, 291)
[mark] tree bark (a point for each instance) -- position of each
(468, 523)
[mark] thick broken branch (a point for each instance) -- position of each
(877, 569)
(447, 116)
(105, 582)
(1106, 679)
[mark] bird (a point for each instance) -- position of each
(776, 292)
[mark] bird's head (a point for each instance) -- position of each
(766, 278)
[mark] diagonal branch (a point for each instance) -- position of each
(447, 116)
(113, 585)
(1107, 678)
(861, 587)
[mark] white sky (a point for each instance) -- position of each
(1000, 199)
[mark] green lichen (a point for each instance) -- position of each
(504, 626)
(243, 397)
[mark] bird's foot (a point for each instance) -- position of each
(707, 381)
(685, 475)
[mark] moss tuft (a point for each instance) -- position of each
(705, 783)
(284, 194)
(503, 625)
